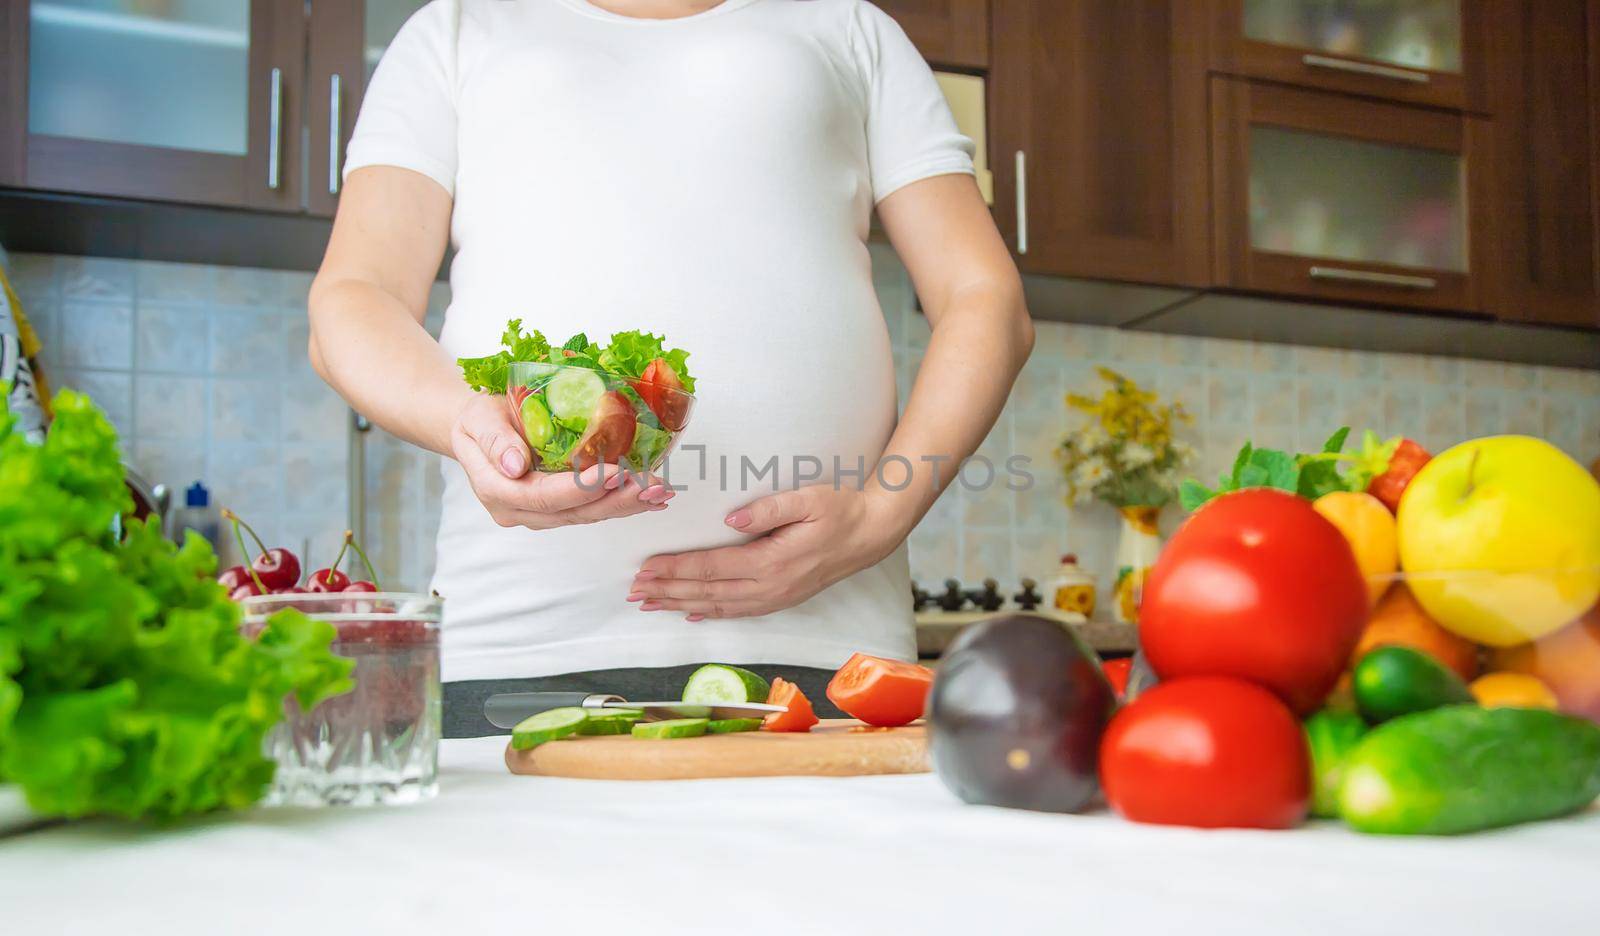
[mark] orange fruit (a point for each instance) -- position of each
(1369, 528)
(1516, 690)
(1399, 620)
(1568, 661)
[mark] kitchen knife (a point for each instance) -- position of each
(505, 709)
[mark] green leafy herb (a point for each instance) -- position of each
(1310, 476)
(489, 373)
(627, 355)
(125, 685)
(630, 352)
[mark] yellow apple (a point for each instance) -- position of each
(1500, 539)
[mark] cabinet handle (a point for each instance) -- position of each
(1365, 68)
(335, 130)
(1370, 278)
(275, 129)
(1022, 202)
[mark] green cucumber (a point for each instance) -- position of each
(551, 725)
(1462, 768)
(1330, 735)
(609, 721)
(537, 427)
(732, 725)
(1392, 681)
(718, 682)
(671, 728)
(573, 392)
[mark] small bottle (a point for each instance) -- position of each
(1074, 587)
(198, 514)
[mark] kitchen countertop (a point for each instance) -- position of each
(882, 855)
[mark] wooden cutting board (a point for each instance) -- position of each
(839, 747)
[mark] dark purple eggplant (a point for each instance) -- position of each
(1016, 713)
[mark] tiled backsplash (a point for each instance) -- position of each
(204, 370)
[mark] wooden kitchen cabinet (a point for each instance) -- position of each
(1544, 191)
(348, 37)
(1412, 51)
(194, 103)
(1347, 199)
(951, 34)
(1097, 122)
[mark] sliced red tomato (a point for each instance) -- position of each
(881, 692)
(662, 391)
(800, 716)
(517, 395)
(608, 435)
(1117, 672)
(1407, 461)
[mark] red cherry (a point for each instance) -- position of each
(361, 585)
(291, 590)
(277, 568)
(327, 580)
(247, 590)
(233, 577)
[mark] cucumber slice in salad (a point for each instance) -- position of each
(609, 721)
(573, 392)
(671, 728)
(718, 682)
(732, 725)
(552, 725)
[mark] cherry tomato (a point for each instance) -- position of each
(1117, 672)
(799, 717)
(1207, 751)
(662, 391)
(1407, 460)
(609, 433)
(1256, 584)
(885, 693)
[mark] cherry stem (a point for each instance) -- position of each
(339, 557)
(238, 521)
(244, 550)
(372, 574)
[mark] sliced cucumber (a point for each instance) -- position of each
(609, 721)
(718, 682)
(671, 728)
(731, 725)
(551, 725)
(573, 392)
(536, 425)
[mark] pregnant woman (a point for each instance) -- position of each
(707, 170)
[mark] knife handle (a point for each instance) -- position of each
(505, 709)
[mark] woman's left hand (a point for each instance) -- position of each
(814, 536)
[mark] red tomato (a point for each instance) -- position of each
(1207, 751)
(800, 716)
(885, 693)
(1117, 672)
(662, 391)
(1407, 460)
(1257, 585)
(608, 435)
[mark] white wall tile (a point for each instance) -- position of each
(182, 282)
(172, 339)
(247, 342)
(170, 408)
(112, 391)
(244, 411)
(95, 278)
(96, 334)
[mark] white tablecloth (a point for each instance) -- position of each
(884, 855)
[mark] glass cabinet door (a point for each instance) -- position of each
(1420, 34)
(1344, 198)
(1314, 195)
(1415, 51)
(168, 100)
(383, 20)
(167, 73)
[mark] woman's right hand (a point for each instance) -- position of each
(489, 447)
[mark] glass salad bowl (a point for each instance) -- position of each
(378, 743)
(576, 417)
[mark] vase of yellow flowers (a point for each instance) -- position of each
(1124, 453)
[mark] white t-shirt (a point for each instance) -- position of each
(711, 178)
